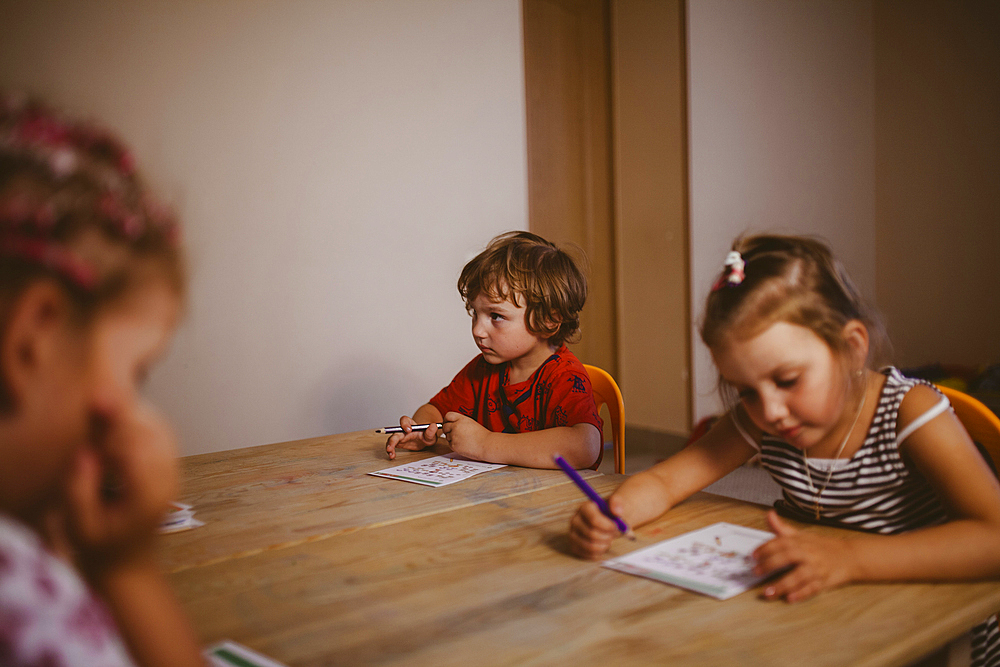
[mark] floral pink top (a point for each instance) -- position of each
(48, 616)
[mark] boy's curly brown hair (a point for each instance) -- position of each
(525, 269)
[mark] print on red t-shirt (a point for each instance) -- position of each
(558, 393)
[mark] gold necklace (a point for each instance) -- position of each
(829, 474)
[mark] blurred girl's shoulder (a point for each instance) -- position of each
(52, 616)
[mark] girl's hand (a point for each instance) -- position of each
(590, 532)
(413, 441)
(466, 436)
(120, 489)
(817, 563)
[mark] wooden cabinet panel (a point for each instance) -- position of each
(607, 171)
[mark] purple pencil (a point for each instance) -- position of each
(593, 495)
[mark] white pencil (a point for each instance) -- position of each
(399, 429)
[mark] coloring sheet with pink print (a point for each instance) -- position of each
(715, 560)
(438, 470)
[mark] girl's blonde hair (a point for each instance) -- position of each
(522, 265)
(793, 279)
(74, 210)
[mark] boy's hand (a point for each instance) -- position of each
(816, 563)
(466, 436)
(120, 489)
(411, 440)
(590, 532)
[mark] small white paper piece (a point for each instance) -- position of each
(228, 653)
(715, 560)
(179, 526)
(179, 517)
(438, 470)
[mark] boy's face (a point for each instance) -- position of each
(502, 335)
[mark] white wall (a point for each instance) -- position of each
(335, 163)
(781, 98)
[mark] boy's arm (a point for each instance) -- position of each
(415, 440)
(458, 392)
(580, 445)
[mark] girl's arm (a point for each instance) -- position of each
(148, 615)
(647, 495)
(580, 444)
(967, 547)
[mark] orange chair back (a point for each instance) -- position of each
(981, 423)
(606, 392)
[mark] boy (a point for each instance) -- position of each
(526, 397)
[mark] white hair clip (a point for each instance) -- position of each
(733, 273)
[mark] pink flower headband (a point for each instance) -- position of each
(66, 150)
(733, 273)
(52, 257)
(37, 133)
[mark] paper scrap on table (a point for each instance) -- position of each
(179, 517)
(715, 560)
(230, 654)
(438, 470)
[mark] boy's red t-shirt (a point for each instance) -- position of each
(558, 393)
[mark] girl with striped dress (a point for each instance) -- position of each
(796, 348)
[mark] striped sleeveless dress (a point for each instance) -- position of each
(873, 491)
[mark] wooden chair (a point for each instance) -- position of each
(983, 426)
(606, 392)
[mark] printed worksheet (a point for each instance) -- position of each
(715, 560)
(438, 471)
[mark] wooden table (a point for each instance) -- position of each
(307, 559)
(280, 495)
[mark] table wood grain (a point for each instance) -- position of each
(268, 497)
(491, 582)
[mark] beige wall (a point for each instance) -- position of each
(336, 164)
(781, 116)
(937, 121)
